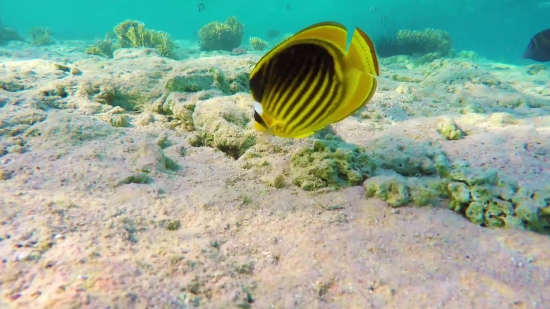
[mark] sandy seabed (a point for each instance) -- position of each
(207, 230)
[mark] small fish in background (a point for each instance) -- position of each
(383, 18)
(200, 6)
(271, 34)
(288, 6)
(310, 81)
(373, 8)
(539, 47)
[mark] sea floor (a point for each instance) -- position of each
(207, 229)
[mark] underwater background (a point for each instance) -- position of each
(135, 171)
(496, 29)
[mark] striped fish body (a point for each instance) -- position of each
(309, 81)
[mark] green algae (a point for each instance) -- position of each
(402, 172)
(330, 162)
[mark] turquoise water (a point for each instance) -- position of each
(498, 30)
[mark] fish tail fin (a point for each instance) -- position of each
(361, 54)
(361, 73)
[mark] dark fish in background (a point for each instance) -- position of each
(273, 34)
(288, 6)
(200, 6)
(539, 47)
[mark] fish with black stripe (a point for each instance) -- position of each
(310, 81)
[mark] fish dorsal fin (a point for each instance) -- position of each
(331, 33)
(362, 71)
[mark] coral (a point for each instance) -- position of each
(221, 36)
(133, 34)
(41, 36)
(7, 34)
(103, 48)
(414, 42)
(257, 43)
(448, 129)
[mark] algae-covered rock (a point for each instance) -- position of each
(139, 178)
(448, 129)
(103, 48)
(474, 176)
(331, 162)
(481, 193)
(224, 123)
(118, 120)
(495, 200)
(392, 190)
(151, 157)
(397, 190)
(475, 212)
(460, 192)
(405, 156)
(401, 171)
(180, 106)
(199, 79)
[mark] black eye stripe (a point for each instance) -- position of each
(259, 119)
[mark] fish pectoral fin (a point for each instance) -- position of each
(360, 88)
